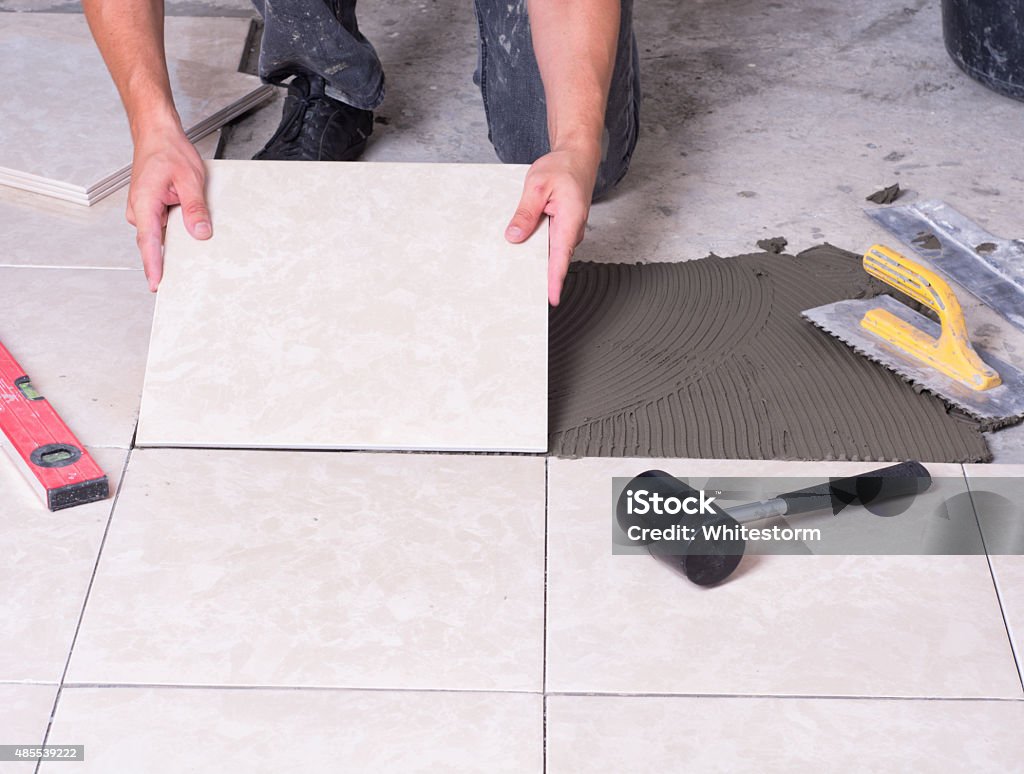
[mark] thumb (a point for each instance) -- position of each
(528, 213)
(193, 207)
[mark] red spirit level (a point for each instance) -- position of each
(42, 446)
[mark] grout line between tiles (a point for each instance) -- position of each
(995, 584)
(29, 682)
(293, 688)
(65, 268)
(442, 452)
(192, 11)
(85, 600)
(795, 697)
(544, 646)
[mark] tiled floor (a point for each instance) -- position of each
(304, 611)
(997, 491)
(24, 713)
(424, 612)
(788, 625)
(44, 232)
(318, 569)
(210, 731)
(45, 577)
(87, 353)
(591, 734)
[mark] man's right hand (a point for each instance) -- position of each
(166, 170)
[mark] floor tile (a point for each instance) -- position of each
(44, 231)
(384, 338)
(168, 730)
(24, 715)
(1007, 445)
(44, 580)
(53, 162)
(1008, 572)
(81, 335)
(997, 492)
(321, 569)
(201, 8)
(212, 41)
(50, 232)
(782, 625)
(643, 734)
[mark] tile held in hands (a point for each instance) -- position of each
(352, 306)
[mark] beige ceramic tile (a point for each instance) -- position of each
(216, 42)
(209, 40)
(997, 492)
(590, 734)
(782, 625)
(24, 715)
(1008, 572)
(373, 306)
(168, 730)
(81, 335)
(88, 144)
(46, 571)
(44, 231)
(321, 569)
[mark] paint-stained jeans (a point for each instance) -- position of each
(321, 37)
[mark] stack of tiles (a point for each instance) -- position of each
(66, 135)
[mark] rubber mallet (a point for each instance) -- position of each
(709, 560)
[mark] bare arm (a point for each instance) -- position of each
(575, 43)
(166, 170)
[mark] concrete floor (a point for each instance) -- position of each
(758, 120)
(218, 614)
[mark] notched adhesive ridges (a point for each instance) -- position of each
(711, 359)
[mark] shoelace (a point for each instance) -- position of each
(291, 126)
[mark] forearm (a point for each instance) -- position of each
(166, 170)
(575, 43)
(130, 36)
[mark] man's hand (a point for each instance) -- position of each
(559, 185)
(166, 171)
(575, 42)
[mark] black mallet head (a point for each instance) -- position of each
(704, 557)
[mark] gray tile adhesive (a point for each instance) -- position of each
(711, 359)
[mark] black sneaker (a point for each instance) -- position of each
(315, 127)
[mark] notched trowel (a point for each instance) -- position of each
(939, 357)
(988, 267)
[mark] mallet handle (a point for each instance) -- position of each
(906, 478)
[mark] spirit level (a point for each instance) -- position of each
(42, 446)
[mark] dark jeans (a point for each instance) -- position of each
(322, 38)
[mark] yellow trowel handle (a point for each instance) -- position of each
(951, 353)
